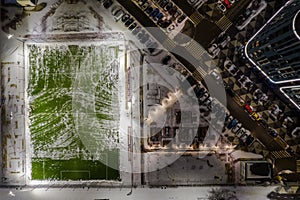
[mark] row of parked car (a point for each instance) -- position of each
(162, 12)
(219, 43)
(136, 29)
(219, 113)
(236, 127)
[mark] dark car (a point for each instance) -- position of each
(249, 140)
(129, 21)
(163, 3)
(149, 10)
(164, 23)
(230, 91)
(132, 26)
(172, 11)
(166, 60)
(176, 14)
(141, 2)
(125, 17)
(154, 12)
(159, 16)
(273, 132)
(107, 3)
(168, 6)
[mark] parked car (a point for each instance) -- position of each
(129, 21)
(214, 50)
(181, 18)
(236, 127)
(107, 3)
(168, 6)
(164, 23)
(145, 5)
(240, 132)
(230, 91)
(221, 6)
(125, 17)
(249, 140)
(166, 60)
(148, 10)
(232, 123)
(248, 108)
(132, 26)
(264, 123)
(163, 3)
(272, 132)
(177, 14)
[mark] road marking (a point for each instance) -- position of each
(196, 18)
(195, 49)
(224, 23)
(169, 44)
(199, 74)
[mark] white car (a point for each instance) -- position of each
(254, 13)
(245, 82)
(237, 127)
(245, 135)
(214, 50)
(223, 39)
(215, 74)
(231, 68)
(221, 6)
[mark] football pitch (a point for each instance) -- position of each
(73, 110)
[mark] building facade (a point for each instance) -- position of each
(275, 48)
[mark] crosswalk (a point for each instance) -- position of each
(224, 23)
(196, 18)
(279, 154)
(195, 49)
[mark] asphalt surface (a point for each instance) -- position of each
(235, 109)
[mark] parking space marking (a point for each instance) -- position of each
(224, 23)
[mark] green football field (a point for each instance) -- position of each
(74, 117)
